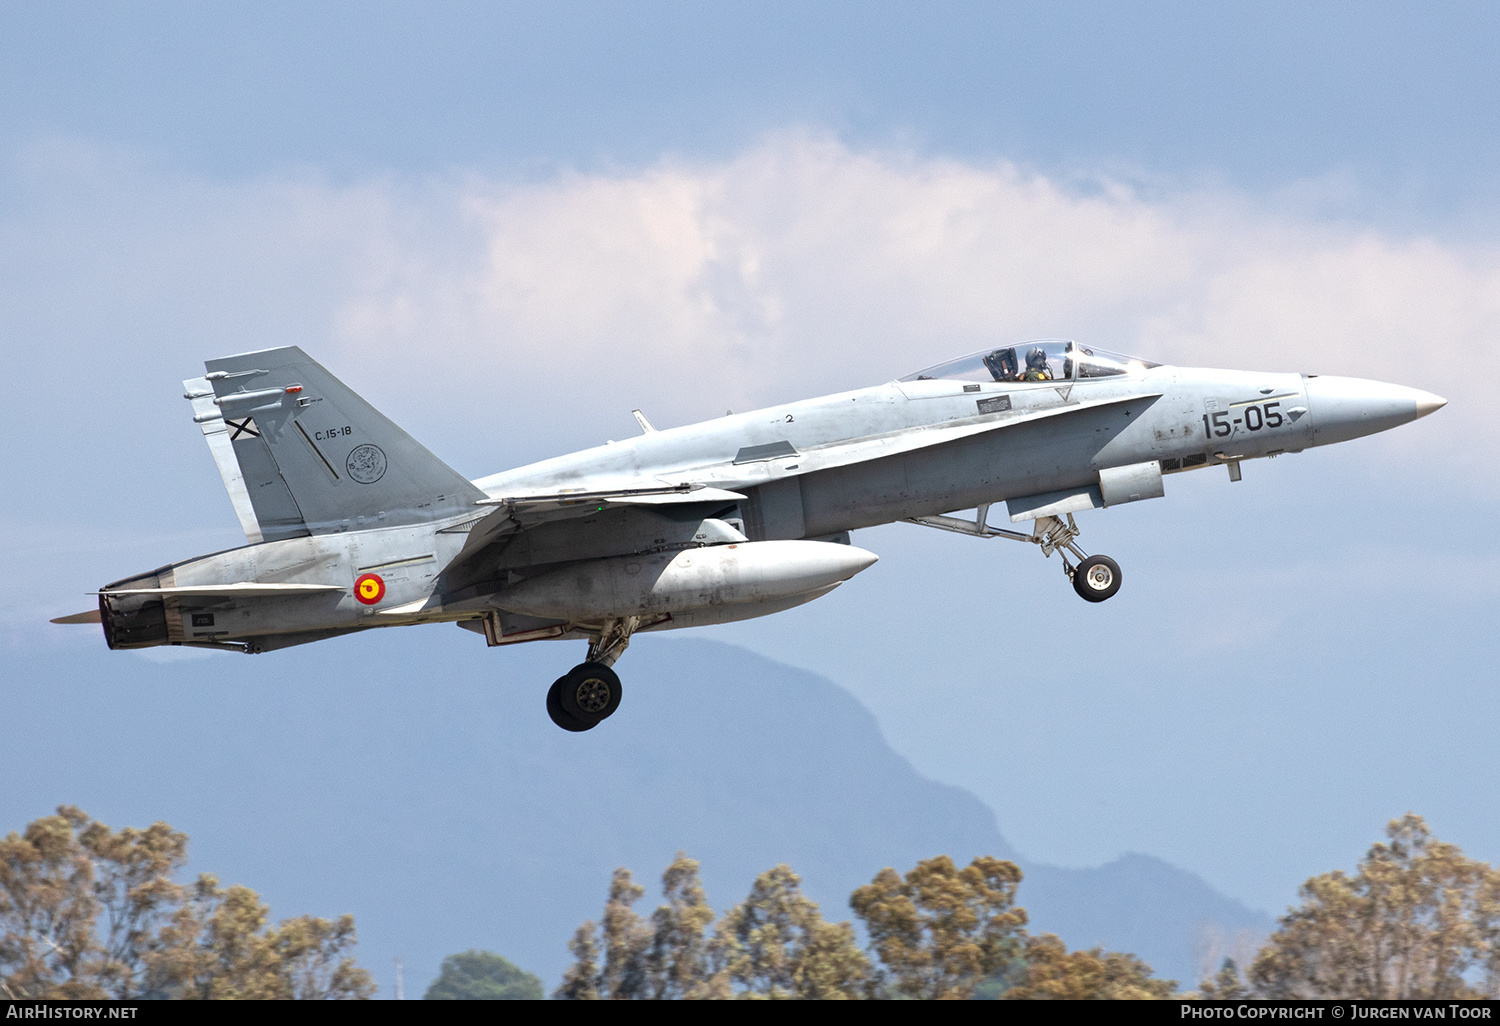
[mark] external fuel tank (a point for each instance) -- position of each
(674, 582)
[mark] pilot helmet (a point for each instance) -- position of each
(1037, 358)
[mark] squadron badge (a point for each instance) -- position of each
(366, 463)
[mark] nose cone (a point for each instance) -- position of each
(1345, 408)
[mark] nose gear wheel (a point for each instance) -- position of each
(1096, 578)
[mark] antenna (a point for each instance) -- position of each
(400, 994)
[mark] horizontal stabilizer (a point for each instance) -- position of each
(92, 616)
(247, 589)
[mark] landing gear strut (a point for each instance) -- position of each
(590, 692)
(1095, 578)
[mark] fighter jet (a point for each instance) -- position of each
(351, 524)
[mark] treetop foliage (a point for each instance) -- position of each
(775, 944)
(483, 976)
(1418, 919)
(940, 931)
(1054, 973)
(87, 912)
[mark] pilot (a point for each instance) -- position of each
(1036, 366)
(1002, 365)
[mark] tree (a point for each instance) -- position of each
(58, 879)
(483, 976)
(1054, 973)
(941, 930)
(627, 938)
(1226, 986)
(665, 957)
(219, 945)
(581, 980)
(1415, 921)
(776, 944)
(678, 961)
(88, 912)
(314, 963)
(627, 941)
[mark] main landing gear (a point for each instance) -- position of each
(1095, 578)
(590, 692)
(584, 697)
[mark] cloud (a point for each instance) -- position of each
(803, 266)
(517, 319)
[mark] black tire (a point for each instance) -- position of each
(590, 692)
(1097, 578)
(560, 716)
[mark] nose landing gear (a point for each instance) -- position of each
(1095, 578)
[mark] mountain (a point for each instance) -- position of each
(1171, 918)
(412, 778)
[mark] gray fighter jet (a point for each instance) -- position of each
(352, 524)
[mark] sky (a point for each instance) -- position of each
(507, 225)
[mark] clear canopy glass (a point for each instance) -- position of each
(1034, 361)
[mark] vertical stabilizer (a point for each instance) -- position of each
(313, 457)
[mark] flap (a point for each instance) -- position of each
(536, 508)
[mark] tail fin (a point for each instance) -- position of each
(311, 456)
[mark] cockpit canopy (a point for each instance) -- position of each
(1042, 360)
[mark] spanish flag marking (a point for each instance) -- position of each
(369, 589)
